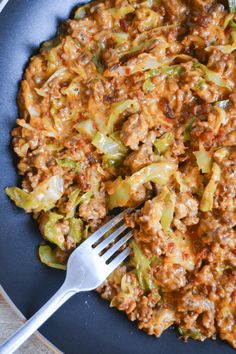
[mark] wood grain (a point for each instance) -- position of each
(10, 321)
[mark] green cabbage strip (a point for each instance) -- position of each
(212, 76)
(150, 16)
(126, 293)
(76, 229)
(72, 203)
(148, 85)
(163, 143)
(120, 37)
(44, 196)
(232, 5)
(204, 161)
(221, 118)
(75, 199)
(140, 47)
(142, 267)
(228, 20)
(59, 73)
(86, 128)
(113, 149)
(66, 163)
(142, 63)
(99, 65)
(222, 104)
(180, 181)
(121, 12)
(106, 145)
(52, 232)
(117, 109)
(168, 213)
(159, 173)
(166, 70)
(167, 200)
(188, 128)
(81, 12)
(226, 49)
(187, 333)
(208, 194)
(47, 257)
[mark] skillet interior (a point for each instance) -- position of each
(85, 324)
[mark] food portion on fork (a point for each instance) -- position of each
(87, 268)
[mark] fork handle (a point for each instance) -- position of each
(27, 329)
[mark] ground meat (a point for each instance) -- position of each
(94, 210)
(176, 8)
(171, 276)
(221, 63)
(134, 131)
(195, 303)
(160, 320)
(138, 159)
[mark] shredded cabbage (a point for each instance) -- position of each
(221, 118)
(179, 179)
(187, 333)
(52, 232)
(59, 73)
(98, 64)
(204, 161)
(121, 12)
(232, 5)
(148, 85)
(72, 90)
(85, 197)
(188, 128)
(120, 37)
(168, 213)
(122, 189)
(212, 76)
(72, 203)
(163, 143)
(149, 18)
(81, 12)
(208, 194)
(126, 293)
(20, 198)
(142, 267)
(117, 109)
(44, 196)
(47, 257)
(140, 47)
(66, 163)
(76, 229)
(222, 104)
(87, 128)
(142, 63)
(166, 70)
(108, 146)
(226, 49)
(227, 21)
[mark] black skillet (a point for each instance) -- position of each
(86, 324)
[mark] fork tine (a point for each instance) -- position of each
(110, 238)
(105, 228)
(119, 259)
(117, 246)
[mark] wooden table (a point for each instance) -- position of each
(10, 321)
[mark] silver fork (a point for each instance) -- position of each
(88, 266)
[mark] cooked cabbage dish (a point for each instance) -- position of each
(134, 104)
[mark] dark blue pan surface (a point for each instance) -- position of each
(85, 325)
